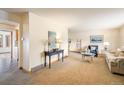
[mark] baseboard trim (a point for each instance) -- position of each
(20, 68)
(24, 70)
(5, 52)
(37, 68)
(65, 56)
(42, 66)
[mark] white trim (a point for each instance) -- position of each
(4, 21)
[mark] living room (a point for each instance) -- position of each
(110, 45)
(68, 26)
(63, 46)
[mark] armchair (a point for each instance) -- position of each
(93, 49)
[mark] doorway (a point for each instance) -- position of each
(8, 50)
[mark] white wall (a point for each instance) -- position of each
(25, 42)
(122, 37)
(111, 36)
(38, 28)
(3, 15)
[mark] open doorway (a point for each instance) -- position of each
(8, 50)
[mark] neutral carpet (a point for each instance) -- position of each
(73, 71)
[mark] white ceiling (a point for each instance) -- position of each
(81, 19)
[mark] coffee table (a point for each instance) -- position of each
(87, 54)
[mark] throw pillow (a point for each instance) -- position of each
(121, 54)
(117, 53)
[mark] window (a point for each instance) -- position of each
(1, 40)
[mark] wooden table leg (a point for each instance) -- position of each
(84, 57)
(49, 61)
(58, 56)
(45, 61)
(62, 56)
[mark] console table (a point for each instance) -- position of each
(51, 53)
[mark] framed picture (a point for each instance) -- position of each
(1, 41)
(52, 39)
(96, 39)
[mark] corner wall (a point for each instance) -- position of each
(121, 37)
(38, 28)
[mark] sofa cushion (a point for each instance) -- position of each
(118, 53)
(121, 54)
(115, 63)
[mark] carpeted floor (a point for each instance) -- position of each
(74, 70)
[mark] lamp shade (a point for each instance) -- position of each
(58, 41)
(106, 43)
(118, 49)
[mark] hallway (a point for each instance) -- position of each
(6, 64)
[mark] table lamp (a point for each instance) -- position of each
(106, 44)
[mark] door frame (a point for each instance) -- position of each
(11, 32)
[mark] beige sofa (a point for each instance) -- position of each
(115, 63)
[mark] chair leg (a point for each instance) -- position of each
(83, 57)
(92, 58)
